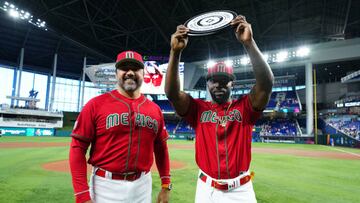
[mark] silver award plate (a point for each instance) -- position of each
(210, 22)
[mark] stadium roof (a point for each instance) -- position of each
(100, 29)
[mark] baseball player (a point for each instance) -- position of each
(124, 129)
(223, 126)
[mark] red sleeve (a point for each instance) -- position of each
(162, 154)
(84, 127)
(250, 115)
(77, 161)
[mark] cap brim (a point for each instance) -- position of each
(230, 76)
(118, 64)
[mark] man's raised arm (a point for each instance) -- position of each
(179, 99)
(260, 93)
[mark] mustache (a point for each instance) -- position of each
(130, 77)
(220, 89)
(220, 96)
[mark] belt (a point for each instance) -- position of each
(130, 176)
(227, 185)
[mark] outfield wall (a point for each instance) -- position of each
(15, 131)
(339, 140)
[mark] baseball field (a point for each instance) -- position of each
(34, 169)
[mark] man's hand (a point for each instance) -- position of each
(243, 31)
(163, 196)
(179, 39)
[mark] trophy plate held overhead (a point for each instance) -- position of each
(210, 22)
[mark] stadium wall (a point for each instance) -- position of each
(339, 140)
(191, 75)
(326, 92)
(69, 119)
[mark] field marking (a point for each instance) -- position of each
(358, 155)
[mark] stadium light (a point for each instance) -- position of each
(266, 57)
(17, 13)
(276, 56)
(245, 60)
(13, 13)
(229, 62)
(281, 56)
(210, 64)
(302, 52)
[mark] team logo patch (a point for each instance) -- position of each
(129, 54)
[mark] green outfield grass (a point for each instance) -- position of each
(278, 177)
(34, 139)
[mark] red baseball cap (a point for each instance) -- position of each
(221, 68)
(129, 56)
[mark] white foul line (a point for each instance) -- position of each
(345, 151)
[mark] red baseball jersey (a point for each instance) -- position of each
(124, 135)
(223, 136)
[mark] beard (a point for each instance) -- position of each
(129, 84)
(220, 97)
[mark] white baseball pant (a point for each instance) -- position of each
(207, 194)
(106, 190)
